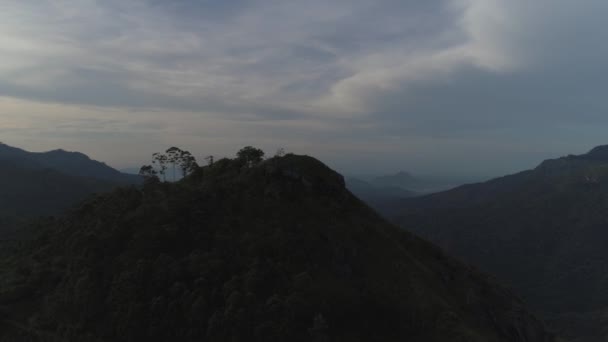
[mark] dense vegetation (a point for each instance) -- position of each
(246, 250)
(27, 193)
(38, 184)
(543, 231)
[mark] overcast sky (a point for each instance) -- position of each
(463, 87)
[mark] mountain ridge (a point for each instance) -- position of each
(271, 252)
(48, 183)
(540, 230)
(71, 163)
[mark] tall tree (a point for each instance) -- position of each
(148, 173)
(161, 160)
(280, 152)
(174, 155)
(187, 163)
(210, 160)
(250, 155)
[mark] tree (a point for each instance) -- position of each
(210, 160)
(250, 155)
(149, 174)
(174, 155)
(280, 152)
(187, 163)
(160, 160)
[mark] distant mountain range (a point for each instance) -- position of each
(379, 197)
(401, 179)
(544, 231)
(34, 184)
(384, 192)
(69, 163)
(273, 251)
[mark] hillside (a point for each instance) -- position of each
(278, 251)
(69, 163)
(380, 197)
(27, 193)
(543, 231)
(39, 184)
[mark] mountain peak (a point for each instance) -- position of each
(290, 176)
(7, 150)
(308, 170)
(272, 251)
(67, 162)
(599, 152)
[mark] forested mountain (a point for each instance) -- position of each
(38, 184)
(69, 163)
(380, 197)
(26, 193)
(544, 231)
(274, 250)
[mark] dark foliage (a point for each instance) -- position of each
(26, 193)
(543, 231)
(250, 155)
(276, 251)
(38, 184)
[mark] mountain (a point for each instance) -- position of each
(383, 193)
(401, 179)
(543, 231)
(27, 193)
(32, 192)
(405, 180)
(380, 197)
(273, 251)
(69, 163)
(38, 184)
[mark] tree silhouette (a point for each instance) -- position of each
(174, 155)
(280, 152)
(187, 163)
(210, 160)
(250, 155)
(161, 160)
(148, 173)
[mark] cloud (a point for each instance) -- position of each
(444, 76)
(286, 55)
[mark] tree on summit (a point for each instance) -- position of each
(161, 160)
(210, 160)
(250, 155)
(187, 163)
(174, 157)
(148, 173)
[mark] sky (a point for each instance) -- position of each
(467, 88)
